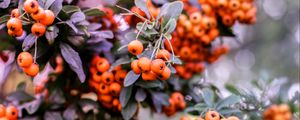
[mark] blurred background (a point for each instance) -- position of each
(268, 49)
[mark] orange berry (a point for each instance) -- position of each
(102, 65)
(96, 76)
(206, 22)
(222, 3)
(134, 67)
(233, 118)
(116, 102)
(212, 115)
(206, 8)
(205, 39)
(163, 54)
(107, 77)
(185, 52)
(106, 98)
(158, 66)
(2, 111)
(24, 59)
(185, 118)
(239, 15)
(12, 113)
(117, 68)
(195, 18)
(32, 70)
(165, 75)
(39, 14)
(14, 24)
(187, 26)
(234, 4)
(120, 76)
(31, 6)
(15, 33)
(148, 76)
(15, 13)
(38, 29)
(135, 47)
(227, 20)
(103, 88)
(198, 31)
(213, 33)
(182, 18)
(115, 89)
(48, 19)
(245, 6)
(144, 64)
(177, 97)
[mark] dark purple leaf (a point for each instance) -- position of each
(71, 25)
(53, 116)
(103, 46)
(19, 96)
(70, 113)
(94, 40)
(56, 6)
(94, 26)
(28, 42)
(48, 3)
(4, 3)
(125, 95)
(130, 78)
(174, 80)
(160, 97)
(21, 86)
(73, 59)
(57, 97)
(109, 56)
(33, 106)
(140, 95)
(121, 61)
(77, 17)
(149, 84)
(103, 34)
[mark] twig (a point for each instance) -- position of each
(35, 49)
(139, 32)
(173, 54)
(136, 14)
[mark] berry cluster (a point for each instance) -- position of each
(42, 17)
(177, 102)
(211, 115)
(150, 69)
(278, 112)
(8, 113)
(25, 60)
(107, 84)
(107, 20)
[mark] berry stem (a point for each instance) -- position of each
(35, 49)
(173, 54)
(138, 34)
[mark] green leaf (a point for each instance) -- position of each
(233, 99)
(171, 10)
(121, 61)
(70, 9)
(4, 18)
(19, 96)
(170, 26)
(141, 4)
(149, 84)
(51, 34)
(229, 111)
(208, 96)
(129, 110)
(73, 59)
(93, 12)
(200, 107)
(125, 95)
(232, 89)
(131, 78)
(21, 86)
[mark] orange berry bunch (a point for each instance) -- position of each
(150, 69)
(211, 115)
(8, 113)
(177, 103)
(107, 84)
(25, 61)
(42, 17)
(278, 112)
(132, 20)
(108, 17)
